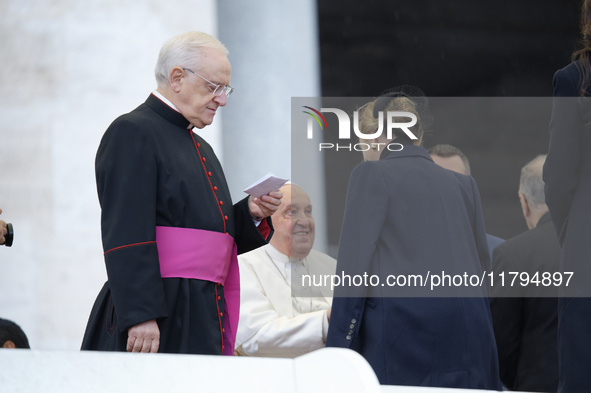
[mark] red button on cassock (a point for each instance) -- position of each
(209, 174)
(198, 145)
(215, 188)
(203, 159)
(226, 218)
(221, 203)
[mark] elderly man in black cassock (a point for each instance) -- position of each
(170, 230)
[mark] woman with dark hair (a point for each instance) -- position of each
(12, 336)
(567, 175)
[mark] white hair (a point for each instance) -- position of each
(184, 50)
(531, 184)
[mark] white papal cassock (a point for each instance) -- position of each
(274, 322)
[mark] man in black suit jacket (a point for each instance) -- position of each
(525, 323)
(452, 158)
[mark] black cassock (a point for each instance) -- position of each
(152, 170)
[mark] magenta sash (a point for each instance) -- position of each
(204, 255)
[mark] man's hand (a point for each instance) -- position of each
(265, 205)
(3, 230)
(144, 337)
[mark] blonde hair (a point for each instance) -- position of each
(368, 124)
(184, 50)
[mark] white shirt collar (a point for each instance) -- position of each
(165, 100)
(276, 255)
(170, 104)
(284, 263)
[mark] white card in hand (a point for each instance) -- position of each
(265, 185)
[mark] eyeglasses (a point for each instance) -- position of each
(218, 89)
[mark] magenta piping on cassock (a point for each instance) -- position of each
(204, 255)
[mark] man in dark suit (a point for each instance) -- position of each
(452, 158)
(525, 324)
(406, 216)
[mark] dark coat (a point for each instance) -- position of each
(406, 215)
(493, 242)
(526, 324)
(567, 174)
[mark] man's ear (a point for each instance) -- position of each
(175, 78)
(524, 206)
(9, 344)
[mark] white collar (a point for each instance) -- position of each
(276, 255)
(165, 100)
(280, 258)
(170, 104)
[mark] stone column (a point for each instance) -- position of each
(69, 68)
(274, 54)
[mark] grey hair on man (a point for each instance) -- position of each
(531, 184)
(531, 190)
(182, 50)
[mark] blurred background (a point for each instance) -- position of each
(69, 68)
(452, 48)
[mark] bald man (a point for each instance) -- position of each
(278, 319)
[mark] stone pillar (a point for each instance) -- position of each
(274, 54)
(69, 68)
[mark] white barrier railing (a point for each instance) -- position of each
(323, 371)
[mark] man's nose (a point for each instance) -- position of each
(301, 220)
(221, 100)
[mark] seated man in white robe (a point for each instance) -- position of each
(278, 319)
